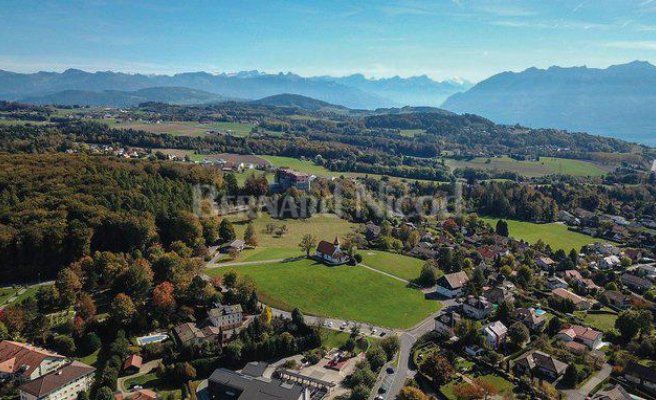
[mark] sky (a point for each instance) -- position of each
(443, 39)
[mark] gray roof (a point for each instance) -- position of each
(256, 388)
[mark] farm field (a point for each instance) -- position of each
(186, 128)
(545, 166)
(324, 227)
(404, 267)
(350, 293)
(555, 235)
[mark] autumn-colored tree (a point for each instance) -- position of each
(250, 236)
(122, 309)
(307, 243)
(13, 317)
(86, 306)
(266, 316)
(439, 368)
(163, 298)
(68, 285)
(467, 391)
(412, 393)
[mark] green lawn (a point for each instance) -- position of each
(399, 265)
(269, 253)
(351, 293)
(503, 386)
(151, 381)
(555, 235)
(296, 164)
(91, 359)
(601, 322)
(6, 293)
(545, 166)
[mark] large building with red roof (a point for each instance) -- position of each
(27, 362)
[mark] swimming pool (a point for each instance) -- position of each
(154, 338)
(539, 311)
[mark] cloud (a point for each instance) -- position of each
(632, 45)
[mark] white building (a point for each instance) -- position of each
(495, 334)
(63, 384)
(27, 362)
(226, 317)
(451, 285)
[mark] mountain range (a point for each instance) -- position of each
(619, 101)
(353, 91)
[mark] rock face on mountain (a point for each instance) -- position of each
(618, 101)
(353, 91)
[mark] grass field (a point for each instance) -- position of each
(601, 322)
(324, 227)
(6, 294)
(545, 166)
(306, 166)
(503, 386)
(399, 265)
(186, 128)
(555, 235)
(350, 293)
(151, 381)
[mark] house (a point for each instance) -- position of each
(567, 218)
(445, 323)
(287, 178)
(495, 334)
(616, 392)
(477, 307)
(609, 262)
(236, 245)
(641, 376)
(586, 286)
(554, 282)
(189, 334)
(331, 253)
(616, 299)
(540, 364)
(132, 364)
(535, 320)
(647, 271)
(424, 251)
(225, 384)
(138, 394)
(64, 383)
(580, 303)
(27, 362)
(581, 334)
(226, 317)
(636, 283)
(500, 293)
(452, 285)
(545, 263)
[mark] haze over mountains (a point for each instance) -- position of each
(619, 101)
(353, 91)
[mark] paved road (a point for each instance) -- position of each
(583, 392)
(145, 369)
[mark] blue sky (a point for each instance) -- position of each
(443, 39)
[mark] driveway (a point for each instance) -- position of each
(145, 369)
(583, 392)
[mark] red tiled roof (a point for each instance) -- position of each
(326, 247)
(48, 383)
(16, 355)
(134, 361)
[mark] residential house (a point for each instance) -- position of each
(64, 383)
(567, 218)
(616, 392)
(647, 271)
(535, 320)
(331, 253)
(424, 251)
(641, 376)
(452, 285)
(554, 282)
(636, 283)
(545, 263)
(616, 299)
(189, 334)
(132, 364)
(225, 384)
(226, 317)
(445, 323)
(581, 303)
(286, 178)
(539, 364)
(609, 262)
(477, 307)
(136, 394)
(236, 245)
(581, 334)
(495, 334)
(27, 362)
(500, 293)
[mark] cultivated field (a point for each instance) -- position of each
(555, 235)
(186, 128)
(545, 166)
(345, 292)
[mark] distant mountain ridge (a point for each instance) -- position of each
(618, 101)
(118, 98)
(353, 92)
